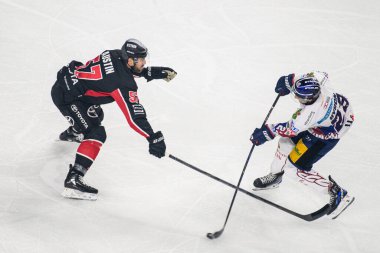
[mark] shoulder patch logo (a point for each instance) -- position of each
(296, 114)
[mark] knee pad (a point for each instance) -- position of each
(97, 133)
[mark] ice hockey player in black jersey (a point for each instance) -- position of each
(81, 89)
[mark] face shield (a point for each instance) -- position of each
(306, 90)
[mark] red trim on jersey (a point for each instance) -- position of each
(124, 108)
(93, 93)
(89, 149)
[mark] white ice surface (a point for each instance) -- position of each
(228, 55)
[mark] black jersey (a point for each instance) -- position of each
(103, 80)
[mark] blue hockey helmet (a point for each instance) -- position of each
(306, 89)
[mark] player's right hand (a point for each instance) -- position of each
(283, 85)
(157, 145)
(261, 135)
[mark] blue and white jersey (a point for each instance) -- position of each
(329, 117)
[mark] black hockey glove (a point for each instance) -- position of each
(262, 135)
(165, 73)
(284, 84)
(157, 145)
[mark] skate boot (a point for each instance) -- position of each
(339, 199)
(71, 135)
(75, 187)
(269, 181)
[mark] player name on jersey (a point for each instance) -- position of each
(107, 62)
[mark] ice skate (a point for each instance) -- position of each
(267, 182)
(71, 135)
(75, 187)
(339, 199)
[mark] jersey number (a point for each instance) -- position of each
(133, 98)
(339, 117)
(90, 71)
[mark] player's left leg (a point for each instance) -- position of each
(86, 154)
(307, 151)
(87, 122)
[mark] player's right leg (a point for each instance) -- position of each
(274, 178)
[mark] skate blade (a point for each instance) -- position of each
(59, 140)
(345, 203)
(75, 194)
(274, 186)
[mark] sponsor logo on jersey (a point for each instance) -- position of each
(326, 103)
(334, 108)
(73, 77)
(332, 105)
(296, 114)
(309, 118)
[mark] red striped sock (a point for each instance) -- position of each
(87, 152)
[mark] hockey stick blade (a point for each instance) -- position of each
(214, 235)
(307, 217)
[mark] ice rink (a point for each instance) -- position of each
(229, 55)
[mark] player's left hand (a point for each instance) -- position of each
(261, 135)
(165, 73)
(157, 145)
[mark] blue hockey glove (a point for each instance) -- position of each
(284, 84)
(262, 135)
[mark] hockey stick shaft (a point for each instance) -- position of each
(307, 217)
(218, 233)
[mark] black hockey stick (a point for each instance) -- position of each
(219, 232)
(307, 217)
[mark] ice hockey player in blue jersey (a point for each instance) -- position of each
(322, 119)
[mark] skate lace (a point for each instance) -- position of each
(80, 179)
(334, 193)
(268, 178)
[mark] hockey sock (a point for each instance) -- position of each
(310, 178)
(87, 152)
(79, 169)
